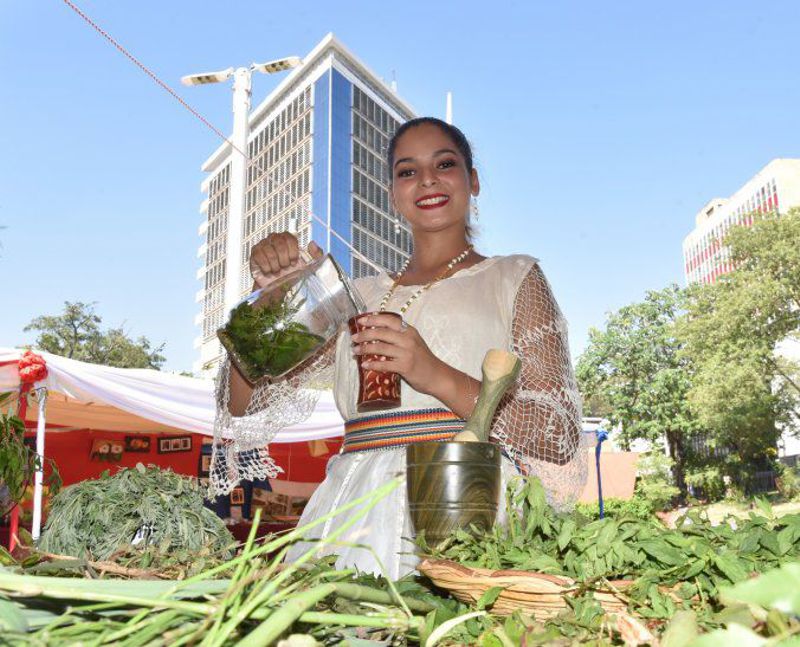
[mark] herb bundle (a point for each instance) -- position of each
(100, 518)
(263, 339)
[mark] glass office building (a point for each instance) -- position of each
(316, 153)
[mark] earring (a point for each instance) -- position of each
(473, 207)
(396, 226)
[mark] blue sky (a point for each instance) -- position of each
(599, 131)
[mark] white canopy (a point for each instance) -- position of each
(92, 396)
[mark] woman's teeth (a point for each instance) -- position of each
(430, 202)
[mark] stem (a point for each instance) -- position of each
(33, 586)
(297, 533)
(269, 630)
(378, 621)
(359, 592)
(238, 583)
(262, 597)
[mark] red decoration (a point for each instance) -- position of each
(32, 367)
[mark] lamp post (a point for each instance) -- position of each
(238, 178)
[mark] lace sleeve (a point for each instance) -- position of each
(539, 421)
(240, 450)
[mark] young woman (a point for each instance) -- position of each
(456, 304)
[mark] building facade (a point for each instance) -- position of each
(775, 188)
(316, 150)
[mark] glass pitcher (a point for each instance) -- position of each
(280, 326)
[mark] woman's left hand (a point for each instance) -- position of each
(405, 351)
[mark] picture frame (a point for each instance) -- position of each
(138, 444)
(173, 444)
(237, 496)
(105, 449)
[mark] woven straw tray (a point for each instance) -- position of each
(543, 596)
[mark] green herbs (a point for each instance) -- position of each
(263, 339)
(695, 559)
(147, 514)
(261, 601)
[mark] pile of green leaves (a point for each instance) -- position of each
(98, 519)
(264, 340)
(257, 599)
(694, 560)
(251, 600)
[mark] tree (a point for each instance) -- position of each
(76, 334)
(634, 366)
(744, 390)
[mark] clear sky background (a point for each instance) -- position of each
(600, 129)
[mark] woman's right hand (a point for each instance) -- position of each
(276, 256)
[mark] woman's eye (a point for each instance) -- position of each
(447, 164)
(406, 172)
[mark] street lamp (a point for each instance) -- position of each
(238, 178)
(207, 77)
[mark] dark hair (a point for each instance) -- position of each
(459, 139)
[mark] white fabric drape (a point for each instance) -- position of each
(92, 396)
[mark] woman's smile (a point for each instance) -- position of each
(432, 201)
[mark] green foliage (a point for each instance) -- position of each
(635, 507)
(788, 482)
(308, 602)
(696, 557)
(710, 481)
(264, 340)
(98, 518)
(18, 461)
(76, 334)
(654, 484)
(742, 390)
(634, 366)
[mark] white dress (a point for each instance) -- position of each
(501, 302)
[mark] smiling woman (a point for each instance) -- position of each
(455, 305)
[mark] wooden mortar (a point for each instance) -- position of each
(456, 484)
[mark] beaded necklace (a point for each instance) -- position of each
(450, 266)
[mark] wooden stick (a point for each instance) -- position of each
(500, 369)
(107, 567)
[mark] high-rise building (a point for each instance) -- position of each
(316, 146)
(775, 188)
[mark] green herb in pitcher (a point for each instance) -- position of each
(264, 341)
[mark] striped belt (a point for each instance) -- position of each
(390, 430)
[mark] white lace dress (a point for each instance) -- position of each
(502, 302)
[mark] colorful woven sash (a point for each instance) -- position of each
(389, 430)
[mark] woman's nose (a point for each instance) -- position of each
(427, 178)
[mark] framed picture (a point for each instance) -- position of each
(237, 496)
(139, 444)
(106, 450)
(170, 444)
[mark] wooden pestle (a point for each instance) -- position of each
(500, 369)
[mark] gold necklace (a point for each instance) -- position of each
(450, 266)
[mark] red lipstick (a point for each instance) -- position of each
(432, 201)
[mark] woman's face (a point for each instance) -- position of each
(431, 186)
